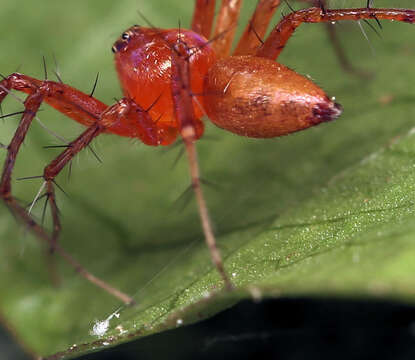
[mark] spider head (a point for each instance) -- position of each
(131, 35)
(143, 62)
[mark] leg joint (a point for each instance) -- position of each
(195, 183)
(6, 195)
(188, 133)
(48, 174)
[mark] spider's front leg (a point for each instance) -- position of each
(69, 101)
(123, 117)
(32, 105)
(55, 167)
(78, 106)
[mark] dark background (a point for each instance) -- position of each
(278, 329)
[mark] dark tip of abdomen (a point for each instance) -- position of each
(326, 112)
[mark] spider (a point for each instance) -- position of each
(170, 79)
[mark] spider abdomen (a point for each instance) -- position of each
(257, 97)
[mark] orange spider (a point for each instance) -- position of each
(170, 79)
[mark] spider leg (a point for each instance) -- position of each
(56, 166)
(38, 91)
(282, 32)
(225, 27)
(203, 16)
(333, 36)
(31, 104)
(188, 124)
(71, 102)
(256, 29)
(188, 136)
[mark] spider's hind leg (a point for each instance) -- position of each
(283, 31)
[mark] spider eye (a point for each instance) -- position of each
(125, 36)
(114, 49)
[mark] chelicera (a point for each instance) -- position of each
(170, 80)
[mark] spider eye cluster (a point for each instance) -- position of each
(122, 41)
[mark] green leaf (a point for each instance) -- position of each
(328, 211)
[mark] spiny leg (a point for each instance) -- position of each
(334, 39)
(182, 98)
(37, 90)
(56, 166)
(279, 36)
(203, 15)
(255, 31)
(257, 27)
(50, 172)
(71, 102)
(225, 27)
(31, 104)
